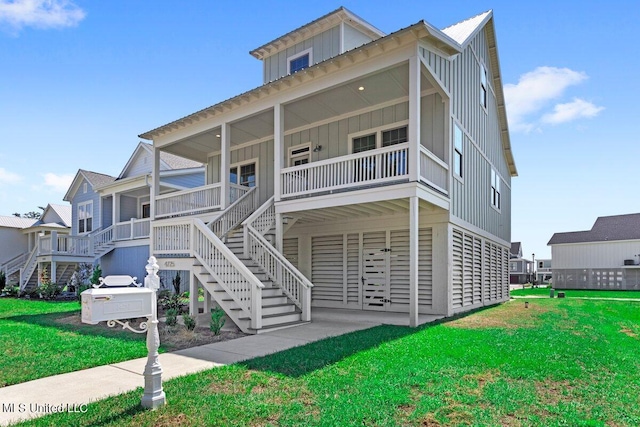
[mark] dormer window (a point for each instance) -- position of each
(299, 61)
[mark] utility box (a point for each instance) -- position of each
(115, 303)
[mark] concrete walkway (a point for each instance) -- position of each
(73, 390)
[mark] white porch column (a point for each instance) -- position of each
(193, 295)
(279, 232)
(414, 118)
(225, 164)
(207, 301)
(54, 273)
(115, 207)
(278, 146)
(153, 193)
(414, 247)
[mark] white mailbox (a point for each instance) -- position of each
(116, 303)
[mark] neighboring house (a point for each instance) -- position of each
(543, 271)
(22, 237)
(368, 172)
(109, 218)
(520, 269)
(605, 257)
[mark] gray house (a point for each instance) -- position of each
(368, 171)
(605, 257)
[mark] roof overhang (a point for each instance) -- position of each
(315, 27)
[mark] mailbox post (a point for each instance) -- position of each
(117, 301)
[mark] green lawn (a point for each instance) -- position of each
(35, 343)
(577, 293)
(560, 362)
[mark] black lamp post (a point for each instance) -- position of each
(533, 270)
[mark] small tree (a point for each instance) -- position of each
(96, 275)
(217, 320)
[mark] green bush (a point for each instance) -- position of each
(171, 317)
(217, 320)
(189, 322)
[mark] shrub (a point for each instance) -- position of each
(171, 317)
(217, 320)
(95, 275)
(3, 280)
(189, 322)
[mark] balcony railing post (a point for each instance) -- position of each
(132, 233)
(54, 242)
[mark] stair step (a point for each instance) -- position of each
(278, 319)
(272, 328)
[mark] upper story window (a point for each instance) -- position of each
(458, 150)
(84, 188)
(299, 61)
(394, 136)
(364, 143)
(85, 217)
(299, 155)
(495, 189)
(483, 86)
(146, 210)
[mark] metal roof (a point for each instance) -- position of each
(463, 30)
(63, 211)
(16, 222)
(606, 228)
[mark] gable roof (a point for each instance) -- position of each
(516, 248)
(16, 222)
(463, 31)
(167, 160)
(606, 228)
(94, 178)
(62, 211)
(314, 27)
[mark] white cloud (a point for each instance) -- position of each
(58, 182)
(9, 177)
(40, 13)
(534, 91)
(578, 108)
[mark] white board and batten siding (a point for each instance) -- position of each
(322, 46)
(594, 254)
(471, 198)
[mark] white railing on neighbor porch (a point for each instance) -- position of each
(191, 237)
(293, 283)
(355, 170)
(434, 171)
(14, 264)
(55, 244)
(239, 210)
(29, 268)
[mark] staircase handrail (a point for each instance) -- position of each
(101, 238)
(221, 263)
(235, 214)
(29, 268)
(284, 274)
(14, 264)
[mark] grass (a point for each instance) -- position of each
(560, 362)
(577, 293)
(36, 343)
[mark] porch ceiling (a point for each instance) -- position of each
(378, 88)
(365, 210)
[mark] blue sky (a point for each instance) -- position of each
(81, 79)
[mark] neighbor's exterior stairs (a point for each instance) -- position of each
(278, 311)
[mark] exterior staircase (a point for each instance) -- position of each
(240, 268)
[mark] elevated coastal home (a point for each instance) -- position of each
(605, 257)
(369, 171)
(543, 271)
(109, 219)
(20, 238)
(520, 269)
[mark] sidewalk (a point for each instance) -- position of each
(73, 390)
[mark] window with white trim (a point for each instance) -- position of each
(299, 61)
(458, 150)
(299, 155)
(394, 136)
(243, 174)
(146, 210)
(495, 189)
(483, 86)
(85, 217)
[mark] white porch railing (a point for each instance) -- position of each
(293, 283)
(195, 200)
(132, 229)
(434, 171)
(355, 170)
(14, 264)
(29, 268)
(191, 237)
(56, 244)
(236, 213)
